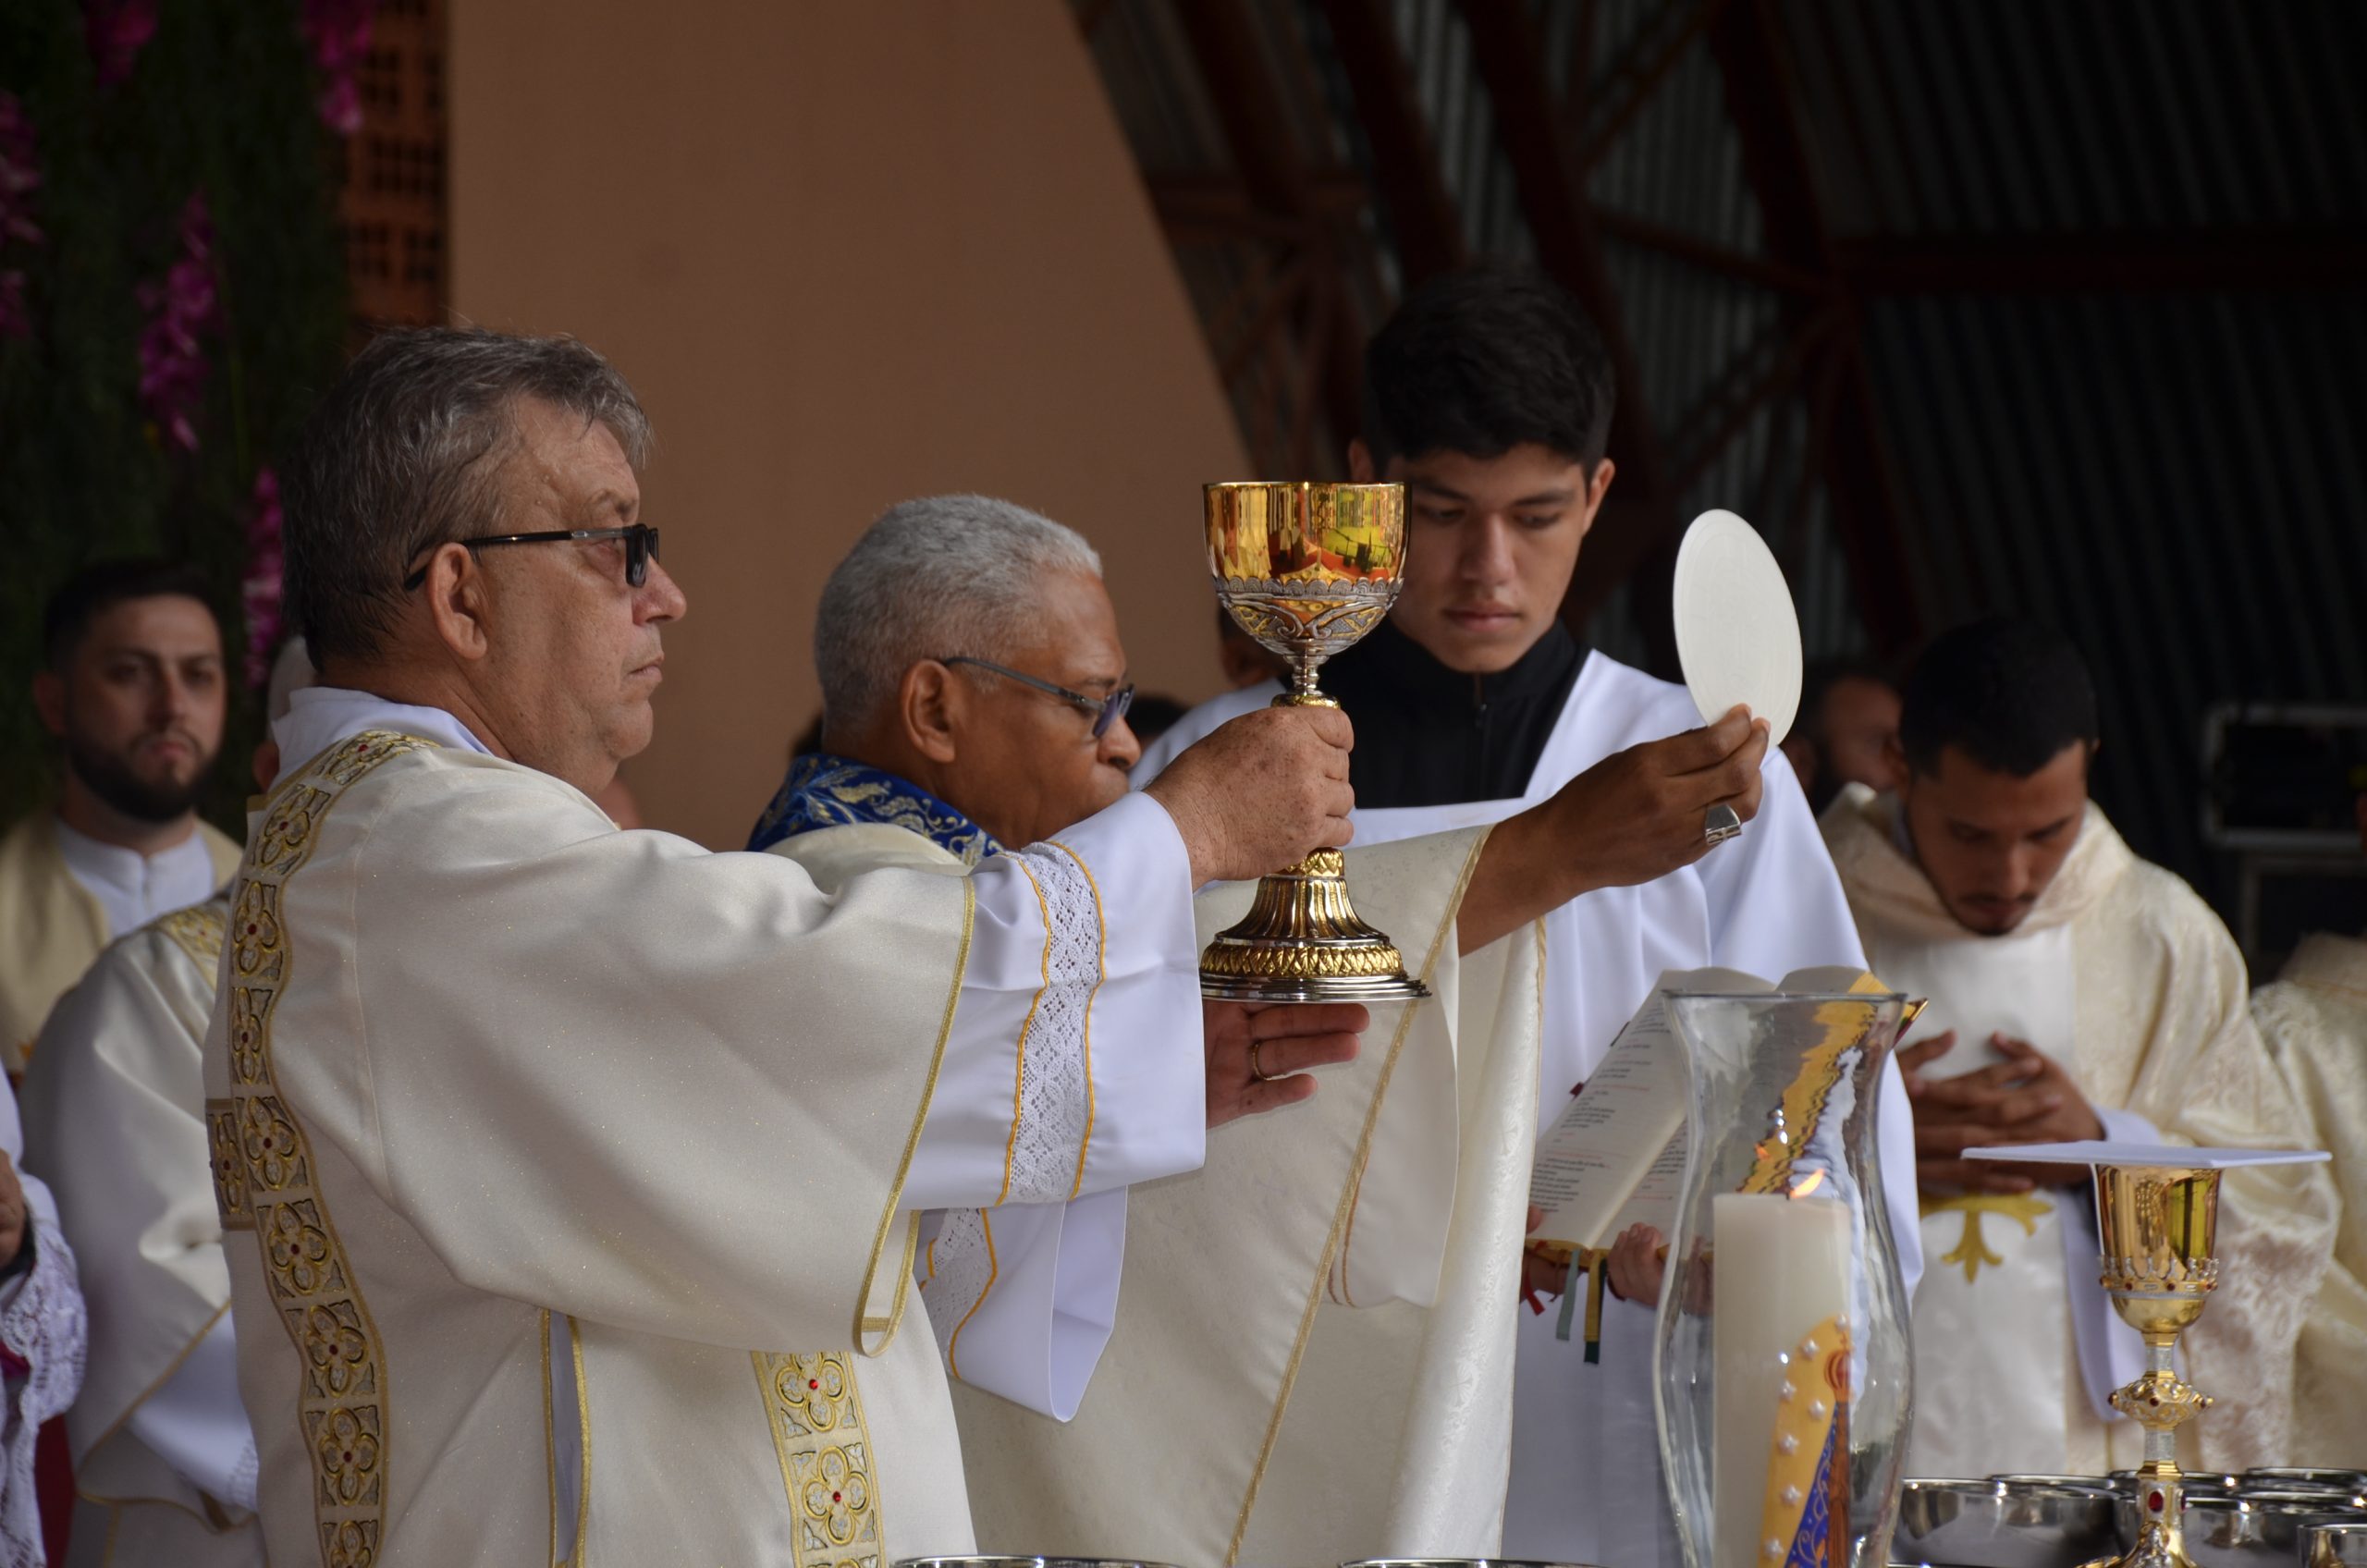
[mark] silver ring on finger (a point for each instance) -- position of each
(1719, 823)
(1257, 1068)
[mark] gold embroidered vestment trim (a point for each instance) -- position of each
(816, 1415)
(265, 1179)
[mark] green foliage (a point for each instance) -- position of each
(219, 103)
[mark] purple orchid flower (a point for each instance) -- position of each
(259, 589)
(171, 365)
(116, 31)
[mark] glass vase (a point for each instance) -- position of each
(1782, 1359)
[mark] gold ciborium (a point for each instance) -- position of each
(2159, 1225)
(1306, 569)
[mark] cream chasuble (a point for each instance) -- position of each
(582, 1167)
(164, 1461)
(2123, 975)
(1238, 1413)
(1584, 1446)
(50, 926)
(2314, 1019)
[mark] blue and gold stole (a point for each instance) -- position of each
(823, 790)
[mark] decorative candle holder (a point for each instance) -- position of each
(1783, 1372)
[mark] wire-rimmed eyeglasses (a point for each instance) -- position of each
(1106, 711)
(641, 548)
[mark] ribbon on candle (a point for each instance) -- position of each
(1805, 1521)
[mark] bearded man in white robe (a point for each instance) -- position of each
(573, 1174)
(2077, 992)
(1488, 396)
(133, 688)
(2313, 1017)
(973, 690)
(165, 1462)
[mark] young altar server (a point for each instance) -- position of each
(1401, 1190)
(1487, 395)
(2077, 992)
(570, 1176)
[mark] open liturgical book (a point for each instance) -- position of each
(1615, 1155)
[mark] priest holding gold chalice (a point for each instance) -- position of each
(972, 679)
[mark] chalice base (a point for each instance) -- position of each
(2161, 1538)
(1302, 942)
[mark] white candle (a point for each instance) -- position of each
(1780, 1265)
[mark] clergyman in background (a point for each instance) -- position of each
(164, 1460)
(134, 689)
(2077, 992)
(1847, 722)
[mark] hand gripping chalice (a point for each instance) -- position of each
(2159, 1225)
(1306, 569)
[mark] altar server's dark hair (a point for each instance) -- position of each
(2009, 693)
(405, 453)
(1484, 359)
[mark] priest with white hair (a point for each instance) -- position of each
(165, 1462)
(975, 696)
(571, 1175)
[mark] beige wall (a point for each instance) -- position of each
(848, 254)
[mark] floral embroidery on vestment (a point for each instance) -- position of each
(264, 1178)
(825, 1460)
(824, 790)
(198, 931)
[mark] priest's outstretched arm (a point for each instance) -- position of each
(1633, 816)
(690, 1095)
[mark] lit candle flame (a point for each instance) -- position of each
(1816, 1180)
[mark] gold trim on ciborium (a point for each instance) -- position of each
(1306, 569)
(2159, 1226)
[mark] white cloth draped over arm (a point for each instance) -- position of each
(768, 1045)
(195, 1423)
(1022, 1282)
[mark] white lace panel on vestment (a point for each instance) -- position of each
(1055, 1092)
(961, 1269)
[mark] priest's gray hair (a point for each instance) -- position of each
(931, 578)
(406, 453)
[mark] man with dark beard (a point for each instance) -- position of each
(133, 688)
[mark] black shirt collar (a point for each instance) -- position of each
(1392, 666)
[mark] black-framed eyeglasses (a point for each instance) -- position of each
(641, 548)
(1106, 711)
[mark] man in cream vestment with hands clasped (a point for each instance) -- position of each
(975, 696)
(571, 1176)
(2076, 992)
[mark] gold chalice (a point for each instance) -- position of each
(2159, 1226)
(1306, 569)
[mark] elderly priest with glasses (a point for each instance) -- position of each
(974, 687)
(570, 1176)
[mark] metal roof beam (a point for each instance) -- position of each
(2236, 261)
(1856, 466)
(1641, 512)
(1421, 214)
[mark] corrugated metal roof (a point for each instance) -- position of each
(2173, 475)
